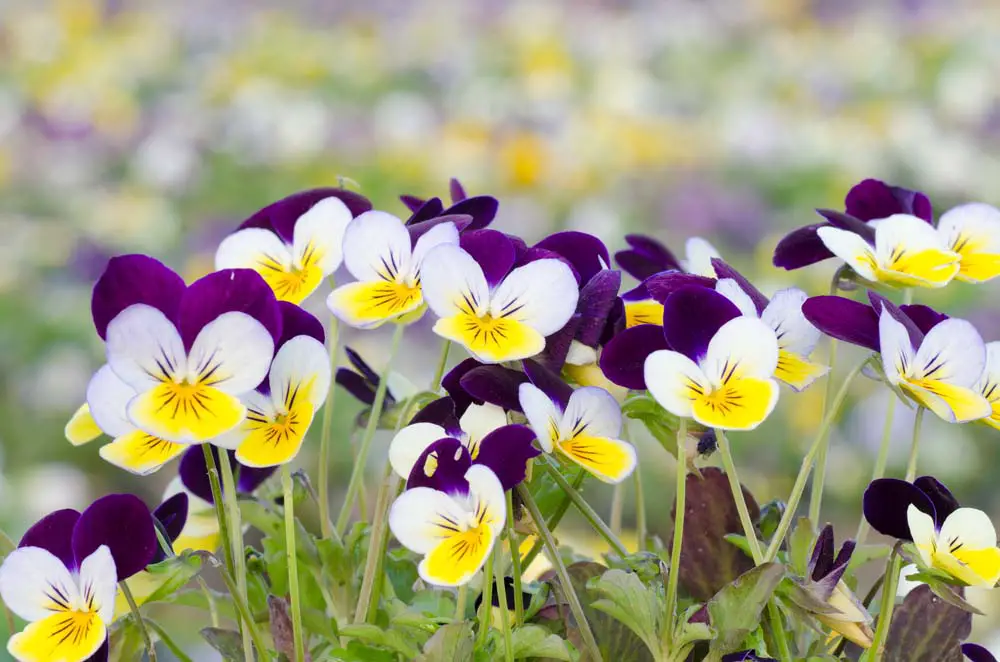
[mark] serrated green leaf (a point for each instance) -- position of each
(633, 604)
(927, 629)
(536, 641)
(228, 643)
(391, 639)
(171, 574)
(734, 612)
(451, 642)
(800, 544)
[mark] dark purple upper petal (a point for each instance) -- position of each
(482, 209)
(54, 532)
(429, 209)
(361, 366)
(102, 653)
(886, 501)
(452, 460)
(585, 252)
(800, 248)
(456, 190)
(125, 525)
(624, 356)
(873, 199)
(417, 230)
(549, 382)
(356, 385)
(172, 514)
(597, 299)
(452, 384)
(493, 250)
(296, 321)
(879, 303)
(494, 384)
(280, 216)
(840, 564)
(132, 279)
(821, 561)
(440, 412)
(558, 344)
(194, 473)
(646, 257)
(977, 653)
(847, 222)
(506, 452)
(843, 319)
(239, 290)
(250, 478)
(944, 501)
(662, 285)
(692, 316)
(412, 202)
(723, 270)
(925, 317)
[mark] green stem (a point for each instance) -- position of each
(877, 651)
(366, 441)
(617, 506)
(140, 623)
(515, 561)
(239, 556)
(741, 503)
(673, 572)
(376, 547)
(486, 606)
(819, 475)
(800, 481)
(779, 631)
(463, 597)
(175, 650)
(244, 611)
(640, 510)
(508, 643)
(585, 509)
(881, 459)
(168, 551)
(293, 566)
(325, 523)
(586, 635)
(911, 463)
(557, 516)
(442, 364)
(220, 507)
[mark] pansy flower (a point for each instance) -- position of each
(281, 410)
(504, 451)
(473, 384)
(63, 577)
(977, 653)
(386, 261)
(825, 583)
(188, 352)
(363, 381)
(647, 256)
(973, 231)
(498, 312)
(720, 364)
(293, 243)
(481, 209)
(957, 540)
(452, 517)
(989, 384)
(582, 425)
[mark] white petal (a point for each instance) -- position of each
(413, 516)
(907, 231)
(591, 411)
(232, 353)
(144, 347)
(377, 247)
(479, 420)
(108, 397)
(922, 531)
(699, 257)
(258, 406)
(895, 347)
(320, 232)
(580, 354)
(252, 248)
(969, 526)
(976, 221)
(542, 294)
(952, 352)
(543, 414)
(667, 374)
(850, 248)
(443, 234)
(487, 492)
(99, 578)
(991, 373)
(784, 314)
(409, 443)
(730, 289)
(743, 344)
(28, 576)
(453, 282)
(300, 368)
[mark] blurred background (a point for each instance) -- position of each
(157, 127)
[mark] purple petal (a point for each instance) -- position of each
(944, 501)
(549, 382)
(843, 319)
(615, 323)
(456, 190)
(281, 216)
(977, 653)
(418, 230)
(440, 412)
(925, 317)
(493, 250)
(356, 385)
(295, 322)
(496, 385)
(537, 253)
(172, 514)
(448, 475)
(430, 209)
(597, 299)
(194, 474)
(800, 248)
(132, 279)
(250, 478)
(585, 252)
(558, 344)
(412, 202)
(646, 257)
(662, 285)
(885, 503)
(873, 199)
(879, 303)
(840, 564)
(54, 532)
(723, 270)
(102, 653)
(821, 561)
(506, 452)
(624, 356)
(481, 208)
(362, 366)
(125, 525)
(847, 222)
(452, 384)
(692, 316)
(240, 290)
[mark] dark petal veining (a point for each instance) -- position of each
(692, 316)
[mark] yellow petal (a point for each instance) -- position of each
(610, 460)
(141, 453)
(186, 412)
(648, 311)
(458, 557)
(926, 268)
(206, 543)
(978, 267)
(798, 371)
(274, 442)
(740, 404)
(952, 402)
(292, 285)
(82, 427)
(492, 339)
(66, 636)
(975, 567)
(369, 304)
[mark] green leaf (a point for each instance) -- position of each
(173, 573)
(661, 424)
(536, 641)
(391, 639)
(401, 567)
(800, 545)
(945, 590)
(770, 515)
(927, 629)
(357, 651)
(866, 554)
(451, 642)
(629, 601)
(734, 612)
(227, 642)
(803, 598)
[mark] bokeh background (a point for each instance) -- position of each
(156, 127)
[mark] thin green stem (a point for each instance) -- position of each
(585, 509)
(673, 572)
(557, 516)
(911, 463)
(617, 507)
(442, 364)
(586, 635)
(486, 606)
(640, 510)
(293, 566)
(376, 547)
(168, 551)
(800, 481)
(881, 459)
(139, 621)
(515, 561)
(236, 527)
(243, 610)
(463, 597)
(325, 523)
(508, 643)
(877, 651)
(819, 475)
(366, 441)
(741, 503)
(779, 631)
(175, 650)
(220, 507)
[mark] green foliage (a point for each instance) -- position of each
(735, 611)
(925, 628)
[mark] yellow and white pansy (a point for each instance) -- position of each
(973, 231)
(81, 427)
(965, 546)
(989, 384)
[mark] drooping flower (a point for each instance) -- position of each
(453, 519)
(293, 243)
(957, 540)
(977, 653)
(281, 410)
(188, 352)
(720, 364)
(495, 310)
(582, 425)
(363, 381)
(989, 384)
(648, 256)
(825, 584)
(386, 260)
(481, 209)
